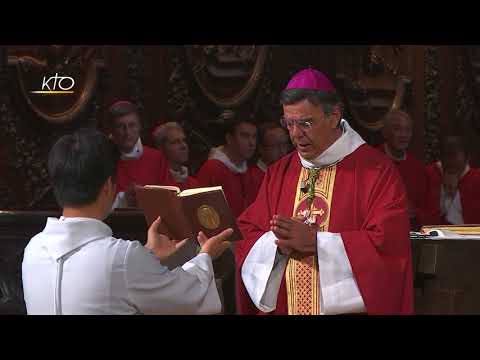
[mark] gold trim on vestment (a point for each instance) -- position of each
(302, 276)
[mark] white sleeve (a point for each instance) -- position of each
(262, 272)
(153, 289)
(263, 269)
(339, 290)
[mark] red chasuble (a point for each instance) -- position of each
(415, 180)
(469, 188)
(257, 177)
(239, 188)
(368, 208)
(150, 169)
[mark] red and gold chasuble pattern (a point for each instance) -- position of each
(302, 276)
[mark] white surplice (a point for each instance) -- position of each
(76, 266)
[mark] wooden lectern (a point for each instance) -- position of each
(447, 276)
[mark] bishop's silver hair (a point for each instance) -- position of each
(161, 132)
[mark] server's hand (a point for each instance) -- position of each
(215, 245)
(161, 245)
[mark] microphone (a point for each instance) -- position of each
(303, 186)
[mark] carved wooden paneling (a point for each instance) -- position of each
(417, 66)
(373, 80)
(157, 66)
(163, 81)
(469, 98)
(30, 124)
(116, 83)
(448, 86)
(56, 82)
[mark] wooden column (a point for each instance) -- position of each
(417, 68)
(328, 65)
(116, 87)
(157, 72)
(448, 88)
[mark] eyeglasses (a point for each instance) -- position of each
(304, 124)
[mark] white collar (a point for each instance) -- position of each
(346, 144)
(136, 152)
(181, 175)
(218, 153)
(262, 165)
(67, 234)
(451, 207)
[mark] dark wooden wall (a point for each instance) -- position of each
(440, 98)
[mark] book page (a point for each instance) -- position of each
(467, 229)
(200, 190)
(439, 234)
(160, 201)
(171, 188)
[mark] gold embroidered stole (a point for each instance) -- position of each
(302, 276)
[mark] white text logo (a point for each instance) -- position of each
(56, 85)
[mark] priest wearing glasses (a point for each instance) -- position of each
(329, 231)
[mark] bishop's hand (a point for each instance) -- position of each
(293, 235)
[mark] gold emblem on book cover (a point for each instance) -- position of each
(208, 217)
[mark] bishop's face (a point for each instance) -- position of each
(126, 131)
(274, 145)
(398, 133)
(311, 130)
(176, 147)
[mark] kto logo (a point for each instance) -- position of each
(56, 85)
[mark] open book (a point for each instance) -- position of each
(185, 213)
(466, 231)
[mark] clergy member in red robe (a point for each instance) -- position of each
(227, 165)
(139, 164)
(329, 230)
(273, 144)
(453, 186)
(172, 141)
(397, 132)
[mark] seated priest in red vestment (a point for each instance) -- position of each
(227, 165)
(171, 140)
(454, 186)
(397, 133)
(273, 144)
(139, 164)
(328, 232)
